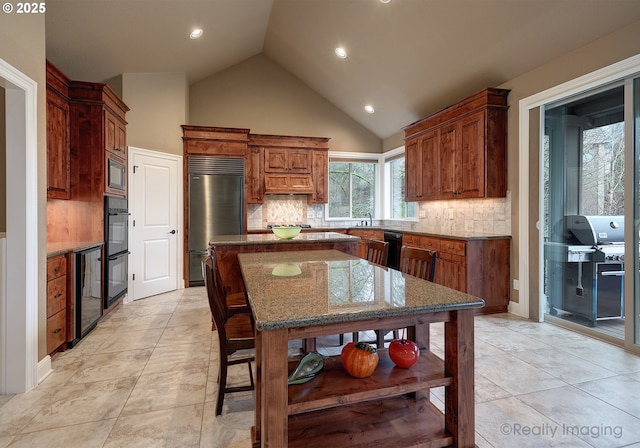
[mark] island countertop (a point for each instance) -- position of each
(303, 288)
(270, 238)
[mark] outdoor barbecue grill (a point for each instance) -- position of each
(593, 268)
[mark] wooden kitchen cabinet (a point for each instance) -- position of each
(320, 176)
(56, 303)
(280, 160)
(294, 165)
(115, 134)
(477, 266)
(98, 136)
(421, 164)
(288, 183)
(58, 144)
(366, 235)
(274, 164)
(214, 141)
(255, 176)
(459, 152)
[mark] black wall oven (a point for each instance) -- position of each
(116, 249)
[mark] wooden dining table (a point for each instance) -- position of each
(308, 294)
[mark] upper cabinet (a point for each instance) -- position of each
(294, 165)
(278, 160)
(98, 139)
(288, 165)
(274, 164)
(214, 141)
(459, 152)
(58, 151)
(86, 139)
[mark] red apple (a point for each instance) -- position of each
(403, 353)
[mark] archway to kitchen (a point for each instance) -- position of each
(586, 196)
(19, 295)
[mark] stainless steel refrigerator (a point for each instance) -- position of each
(216, 206)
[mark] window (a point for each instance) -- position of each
(398, 208)
(360, 184)
(352, 189)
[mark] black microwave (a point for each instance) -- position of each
(116, 173)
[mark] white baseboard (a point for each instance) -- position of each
(517, 309)
(44, 368)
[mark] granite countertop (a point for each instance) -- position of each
(54, 249)
(457, 236)
(270, 238)
(301, 288)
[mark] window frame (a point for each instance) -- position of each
(382, 193)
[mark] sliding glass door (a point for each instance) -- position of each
(591, 211)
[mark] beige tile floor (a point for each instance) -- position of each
(146, 377)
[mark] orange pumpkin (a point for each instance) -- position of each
(359, 359)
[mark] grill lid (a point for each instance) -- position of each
(596, 230)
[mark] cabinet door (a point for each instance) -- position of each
(449, 161)
(121, 138)
(430, 162)
(58, 149)
(471, 155)
(299, 161)
(288, 183)
(255, 176)
(115, 134)
(413, 171)
(275, 160)
(110, 131)
(451, 271)
(320, 173)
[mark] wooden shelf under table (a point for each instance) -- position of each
(385, 423)
(334, 387)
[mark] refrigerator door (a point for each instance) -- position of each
(196, 257)
(216, 207)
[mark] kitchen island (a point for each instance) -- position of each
(227, 248)
(305, 294)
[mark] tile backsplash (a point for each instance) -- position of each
(465, 216)
(457, 217)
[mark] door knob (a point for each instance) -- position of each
(173, 232)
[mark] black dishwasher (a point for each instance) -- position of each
(395, 245)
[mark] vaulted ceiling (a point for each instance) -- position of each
(407, 58)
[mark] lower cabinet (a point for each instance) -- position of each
(477, 266)
(366, 235)
(56, 303)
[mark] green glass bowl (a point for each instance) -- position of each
(286, 233)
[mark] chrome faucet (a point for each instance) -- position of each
(370, 220)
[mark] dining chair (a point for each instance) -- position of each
(235, 332)
(417, 262)
(378, 253)
(234, 303)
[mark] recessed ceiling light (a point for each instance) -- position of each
(341, 53)
(385, 1)
(369, 109)
(196, 33)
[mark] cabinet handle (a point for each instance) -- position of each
(56, 269)
(57, 331)
(58, 295)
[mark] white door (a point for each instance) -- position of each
(155, 228)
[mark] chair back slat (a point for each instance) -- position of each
(418, 262)
(378, 252)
